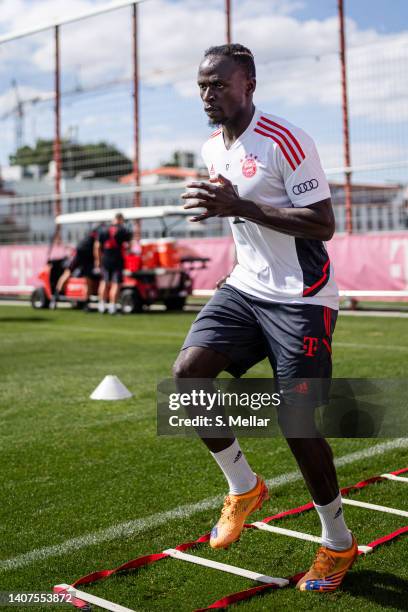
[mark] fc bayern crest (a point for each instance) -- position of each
(249, 165)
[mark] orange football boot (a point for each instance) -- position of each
(234, 513)
(328, 569)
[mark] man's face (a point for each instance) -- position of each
(224, 88)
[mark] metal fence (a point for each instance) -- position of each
(106, 142)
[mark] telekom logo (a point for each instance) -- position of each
(21, 266)
(310, 346)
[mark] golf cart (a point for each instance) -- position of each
(156, 273)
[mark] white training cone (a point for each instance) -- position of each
(111, 389)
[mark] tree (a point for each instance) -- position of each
(95, 159)
(179, 159)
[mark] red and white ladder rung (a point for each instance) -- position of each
(394, 477)
(299, 535)
(72, 593)
(386, 509)
(224, 567)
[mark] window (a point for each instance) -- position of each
(369, 218)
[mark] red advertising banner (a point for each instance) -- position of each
(371, 261)
(221, 255)
(21, 264)
(361, 262)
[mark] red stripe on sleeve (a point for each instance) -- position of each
(281, 146)
(281, 127)
(285, 140)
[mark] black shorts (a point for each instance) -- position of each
(112, 268)
(296, 338)
(112, 275)
(83, 262)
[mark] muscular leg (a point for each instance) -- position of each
(199, 362)
(195, 363)
(315, 459)
(103, 291)
(297, 413)
(88, 287)
(114, 292)
(62, 281)
(59, 288)
(296, 417)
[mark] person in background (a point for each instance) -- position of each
(83, 260)
(108, 252)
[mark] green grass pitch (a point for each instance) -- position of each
(72, 467)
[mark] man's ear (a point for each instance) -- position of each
(251, 86)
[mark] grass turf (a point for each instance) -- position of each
(73, 467)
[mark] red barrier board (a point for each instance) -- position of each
(377, 261)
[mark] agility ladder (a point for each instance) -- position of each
(82, 600)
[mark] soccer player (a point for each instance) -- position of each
(280, 301)
(108, 252)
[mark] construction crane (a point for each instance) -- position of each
(19, 115)
(18, 111)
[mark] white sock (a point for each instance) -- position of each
(239, 475)
(112, 308)
(101, 306)
(335, 534)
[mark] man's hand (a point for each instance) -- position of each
(218, 197)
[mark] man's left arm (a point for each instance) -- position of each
(315, 221)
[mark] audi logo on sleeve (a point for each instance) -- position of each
(306, 186)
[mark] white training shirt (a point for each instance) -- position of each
(275, 163)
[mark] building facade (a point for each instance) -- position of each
(27, 205)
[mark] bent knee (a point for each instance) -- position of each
(199, 362)
(186, 366)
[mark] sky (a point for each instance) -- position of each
(385, 16)
(295, 43)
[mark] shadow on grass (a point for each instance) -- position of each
(382, 588)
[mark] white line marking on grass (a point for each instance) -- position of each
(350, 313)
(382, 347)
(132, 528)
(375, 313)
(163, 334)
(109, 330)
